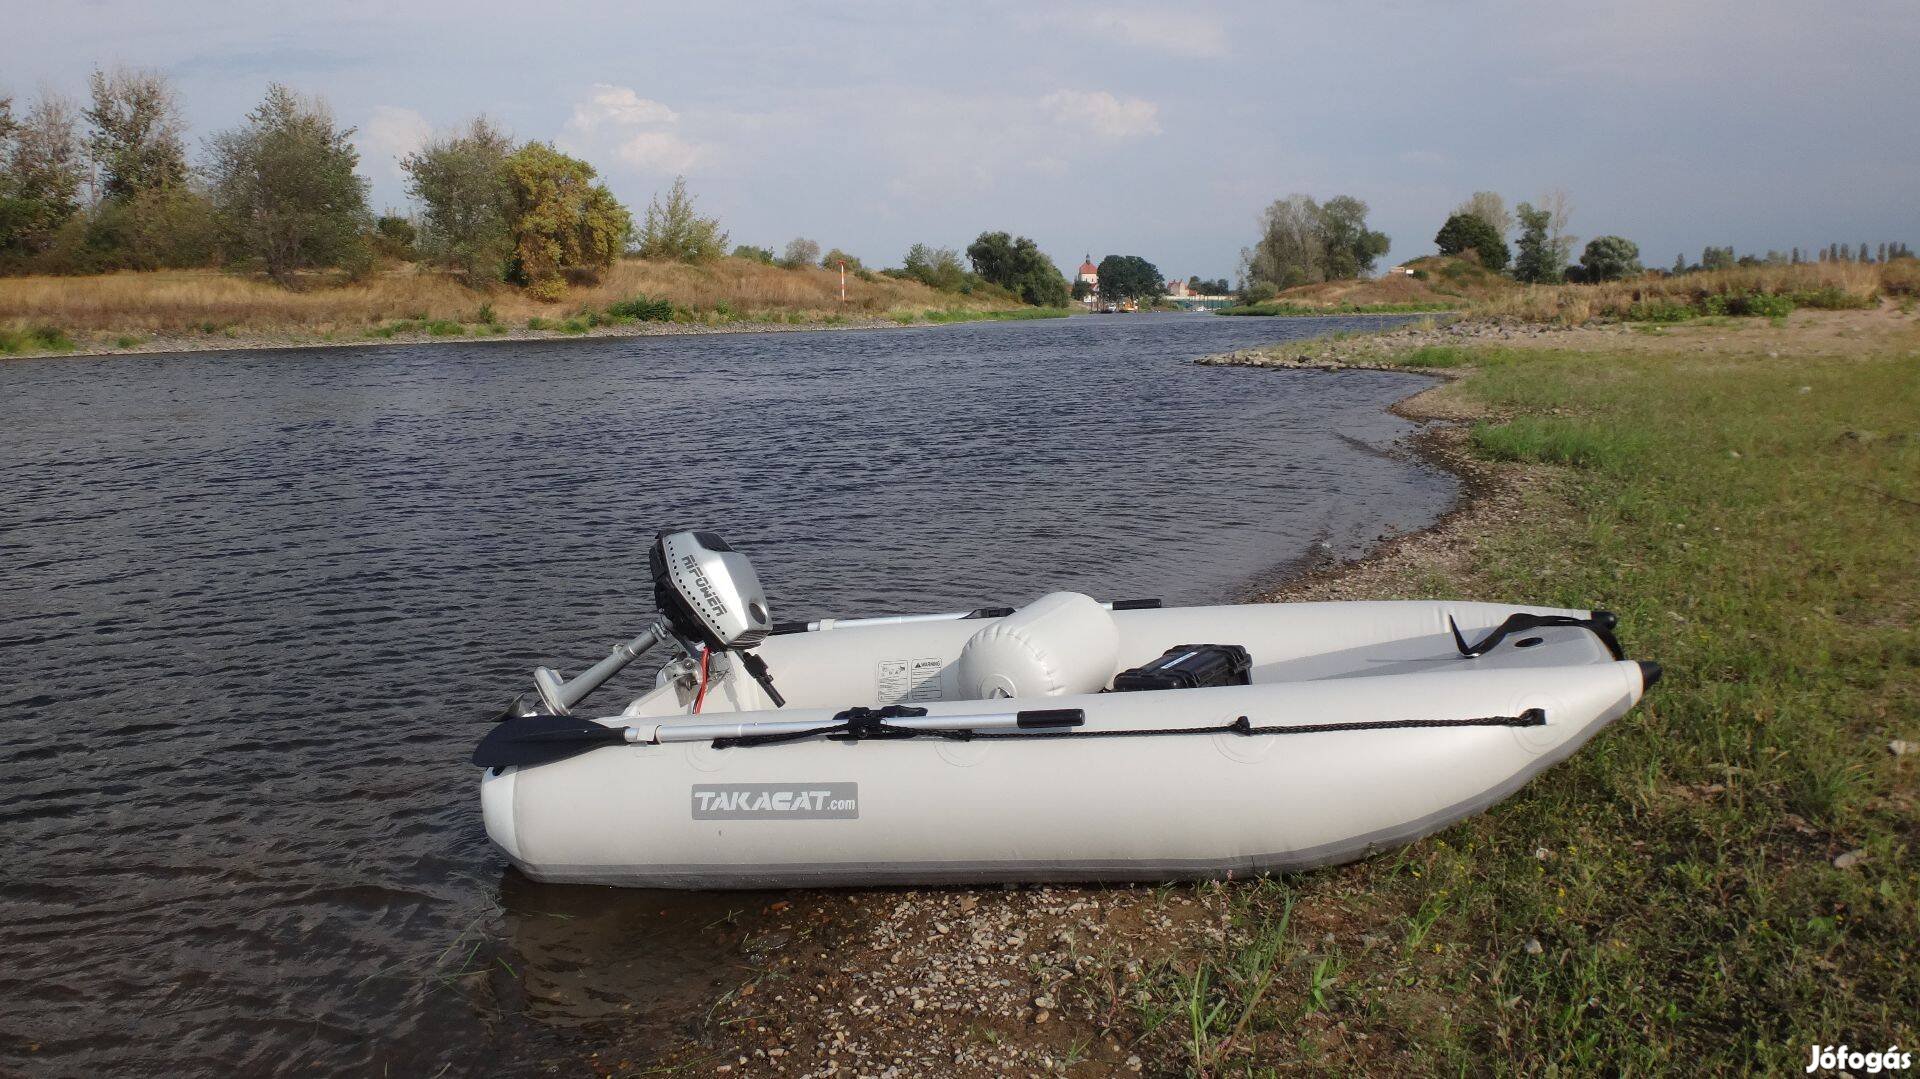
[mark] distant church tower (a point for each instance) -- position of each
(1090, 274)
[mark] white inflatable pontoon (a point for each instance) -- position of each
(993, 747)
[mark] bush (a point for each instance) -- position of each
(1659, 311)
(1749, 305)
(1609, 258)
(1831, 298)
(1470, 232)
(441, 327)
(674, 232)
(641, 309)
(35, 339)
(548, 289)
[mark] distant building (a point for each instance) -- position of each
(1090, 276)
(1177, 288)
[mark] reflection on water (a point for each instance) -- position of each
(258, 604)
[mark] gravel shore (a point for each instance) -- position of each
(1374, 351)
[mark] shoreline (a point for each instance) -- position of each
(1006, 958)
(267, 342)
(1687, 477)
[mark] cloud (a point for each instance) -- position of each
(617, 107)
(1104, 114)
(1183, 31)
(659, 151)
(392, 133)
(639, 132)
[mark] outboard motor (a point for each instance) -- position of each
(710, 600)
(708, 591)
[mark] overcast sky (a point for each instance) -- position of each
(1158, 130)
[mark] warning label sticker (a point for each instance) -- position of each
(904, 681)
(926, 680)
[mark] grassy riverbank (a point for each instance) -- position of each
(1724, 878)
(207, 309)
(1730, 875)
(1460, 284)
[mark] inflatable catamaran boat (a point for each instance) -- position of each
(1066, 740)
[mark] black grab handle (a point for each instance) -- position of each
(1040, 718)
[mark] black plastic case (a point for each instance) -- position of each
(1189, 666)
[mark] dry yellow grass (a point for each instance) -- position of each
(185, 301)
(1852, 284)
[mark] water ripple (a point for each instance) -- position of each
(256, 603)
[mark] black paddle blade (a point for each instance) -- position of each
(535, 740)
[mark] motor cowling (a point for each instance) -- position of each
(708, 591)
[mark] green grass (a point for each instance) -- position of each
(1436, 356)
(1295, 310)
(35, 339)
(1756, 523)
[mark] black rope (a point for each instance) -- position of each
(865, 723)
(1532, 717)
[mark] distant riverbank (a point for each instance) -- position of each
(201, 310)
(410, 332)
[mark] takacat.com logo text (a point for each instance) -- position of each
(776, 801)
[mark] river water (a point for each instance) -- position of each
(255, 607)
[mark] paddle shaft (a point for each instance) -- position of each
(948, 616)
(667, 733)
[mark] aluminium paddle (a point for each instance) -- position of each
(535, 740)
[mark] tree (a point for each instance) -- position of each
(1130, 277)
(800, 252)
(1302, 241)
(394, 236)
(833, 259)
(1538, 261)
(1290, 250)
(1470, 232)
(1610, 258)
(1717, 258)
(285, 188)
(563, 223)
(150, 213)
(39, 175)
(674, 232)
(135, 132)
(935, 267)
(462, 186)
(1488, 206)
(1679, 265)
(1559, 208)
(757, 254)
(1018, 265)
(1081, 291)
(1351, 249)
